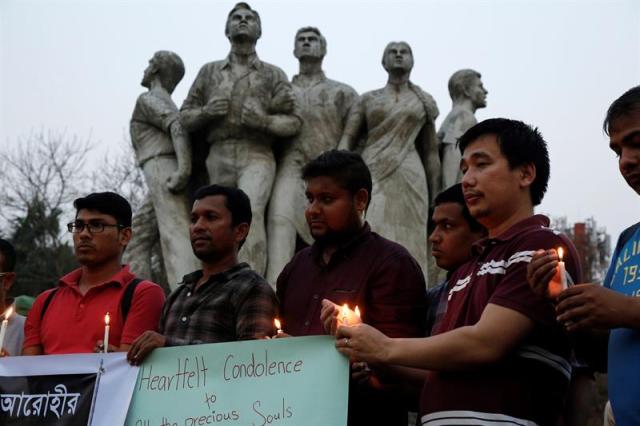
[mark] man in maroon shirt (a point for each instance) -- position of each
(498, 356)
(348, 263)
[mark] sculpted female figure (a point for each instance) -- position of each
(400, 148)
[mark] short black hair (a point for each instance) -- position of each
(8, 255)
(107, 203)
(520, 144)
(454, 194)
(236, 201)
(347, 168)
(624, 105)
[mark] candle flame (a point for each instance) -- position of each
(345, 310)
(357, 312)
(277, 323)
(560, 253)
(107, 318)
(8, 312)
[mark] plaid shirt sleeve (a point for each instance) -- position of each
(256, 312)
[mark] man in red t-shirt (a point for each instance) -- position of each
(498, 356)
(71, 317)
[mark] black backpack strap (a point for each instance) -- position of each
(127, 298)
(47, 302)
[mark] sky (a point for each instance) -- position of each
(76, 66)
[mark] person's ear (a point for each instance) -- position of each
(361, 199)
(527, 175)
(241, 231)
(124, 236)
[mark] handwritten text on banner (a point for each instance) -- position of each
(283, 382)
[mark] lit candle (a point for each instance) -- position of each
(106, 333)
(5, 324)
(357, 312)
(561, 270)
(278, 326)
(344, 313)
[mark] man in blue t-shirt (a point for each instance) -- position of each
(615, 305)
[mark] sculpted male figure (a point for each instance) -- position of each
(468, 94)
(401, 150)
(240, 106)
(323, 106)
(164, 154)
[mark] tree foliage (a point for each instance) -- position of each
(48, 167)
(39, 180)
(42, 255)
(118, 172)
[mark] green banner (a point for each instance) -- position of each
(285, 382)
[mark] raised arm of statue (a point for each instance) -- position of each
(280, 125)
(283, 126)
(353, 126)
(196, 111)
(280, 120)
(180, 139)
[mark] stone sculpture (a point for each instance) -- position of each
(163, 152)
(323, 105)
(401, 151)
(239, 107)
(468, 94)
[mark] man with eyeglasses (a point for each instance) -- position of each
(70, 318)
(12, 344)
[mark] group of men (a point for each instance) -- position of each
(499, 347)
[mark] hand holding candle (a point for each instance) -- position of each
(5, 325)
(333, 316)
(105, 342)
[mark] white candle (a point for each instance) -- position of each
(5, 324)
(562, 270)
(278, 326)
(106, 333)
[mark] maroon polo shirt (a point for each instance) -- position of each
(529, 385)
(373, 273)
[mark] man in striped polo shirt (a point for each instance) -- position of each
(498, 356)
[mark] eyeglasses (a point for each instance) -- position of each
(94, 227)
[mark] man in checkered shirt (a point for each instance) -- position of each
(225, 300)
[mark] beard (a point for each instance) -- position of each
(337, 237)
